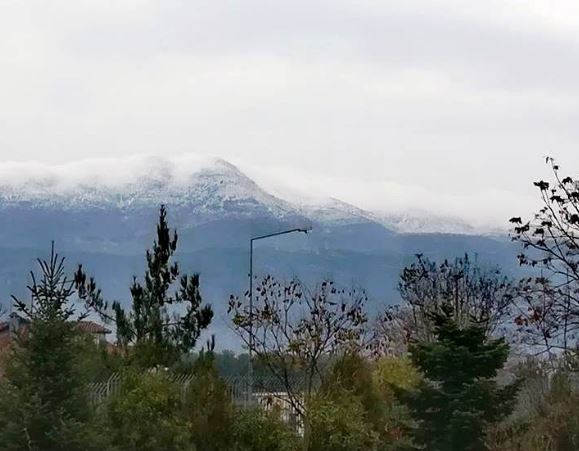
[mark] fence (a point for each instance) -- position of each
(268, 393)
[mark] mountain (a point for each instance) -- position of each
(211, 186)
(104, 217)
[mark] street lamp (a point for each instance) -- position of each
(251, 241)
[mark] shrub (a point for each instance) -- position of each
(208, 406)
(339, 425)
(547, 417)
(256, 430)
(146, 415)
(391, 376)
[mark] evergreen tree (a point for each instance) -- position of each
(42, 399)
(459, 397)
(208, 406)
(163, 322)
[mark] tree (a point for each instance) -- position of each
(547, 414)
(207, 405)
(257, 430)
(477, 294)
(391, 376)
(392, 330)
(230, 364)
(352, 375)
(459, 398)
(356, 406)
(295, 331)
(163, 322)
(147, 414)
(43, 403)
(549, 301)
(339, 424)
(348, 412)
(395, 373)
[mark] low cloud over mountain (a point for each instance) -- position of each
(103, 213)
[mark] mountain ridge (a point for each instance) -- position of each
(106, 221)
(214, 187)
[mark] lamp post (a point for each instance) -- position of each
(251, 241)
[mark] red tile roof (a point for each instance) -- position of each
(92, 327)
(85, 326)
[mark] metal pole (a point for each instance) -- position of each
(250, 362)
(251, 341)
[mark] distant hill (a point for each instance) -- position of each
(216, 208)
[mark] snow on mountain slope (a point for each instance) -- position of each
(422, 222)
(334, 212)
(210, 188)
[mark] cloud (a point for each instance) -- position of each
(113, 173)
(483, 209)
(445, 104)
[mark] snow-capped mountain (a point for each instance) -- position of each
(210, 187)
(207, 188)
(103, 214)
(423, 222)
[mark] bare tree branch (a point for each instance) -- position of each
(296, 330)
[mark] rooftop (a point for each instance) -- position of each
(84, 326)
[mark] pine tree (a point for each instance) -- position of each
(163, 321)
(42, 400)
(459, 397)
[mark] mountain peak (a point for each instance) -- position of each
(206, 187)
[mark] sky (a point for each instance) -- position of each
(448, 106)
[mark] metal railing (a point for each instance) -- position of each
(268, 393)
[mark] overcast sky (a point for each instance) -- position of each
(444, 105)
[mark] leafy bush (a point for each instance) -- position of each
(391, 373)
(352, 377)
(547, 417)
(97, 362)
(146, 415)
(256, 430)
(208, 406)
(391, 376)
(339, 425)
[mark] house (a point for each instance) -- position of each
(95, 330)
(16, 325)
